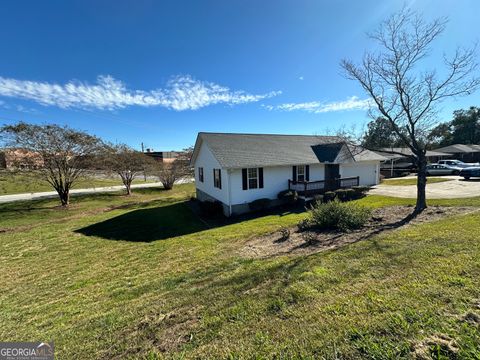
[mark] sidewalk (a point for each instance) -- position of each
(53, 194)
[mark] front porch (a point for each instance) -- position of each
(307, 189)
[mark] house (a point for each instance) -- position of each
(465, 153)
(16, 158)
(237, 169)
(399, 160)
(163, 156)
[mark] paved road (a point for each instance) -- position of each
(53, 194)
(456, 188)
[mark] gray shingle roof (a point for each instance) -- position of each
(406, 152)
(459, 148)
(251, 150)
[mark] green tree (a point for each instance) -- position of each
(380, 134)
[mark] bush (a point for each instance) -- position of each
(288, 195)
(259, 204)
(211, 208)
(337, 215)
(341, 194)
(360, 191)
(349, 194)
(304, 225)
(329, 196)
(318, 198)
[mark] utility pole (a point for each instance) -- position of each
(144, 173)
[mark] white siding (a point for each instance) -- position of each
(368, 171)
(275, 179)
(206, 160)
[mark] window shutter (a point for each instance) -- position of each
(244, 179)
(307, 172)
(294, 173)
(214, 184)
(260, 178)
(219, 178)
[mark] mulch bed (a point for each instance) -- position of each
(382, 220)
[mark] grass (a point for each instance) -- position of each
(142, 276)
(28, 182)
(413, 181)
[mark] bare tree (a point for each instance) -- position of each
(61, 153)
(169, 173)
(125, 162)
(408, 97)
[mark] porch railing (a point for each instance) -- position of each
(309, 188)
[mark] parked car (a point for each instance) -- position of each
(457, 163)
(439, 169)
(470, 172)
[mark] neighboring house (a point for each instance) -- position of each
(466, 153)
(19, 159)
(237, 169)
(399, 160)
(163, 156)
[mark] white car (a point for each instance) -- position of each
(439, 169)
(456, 163)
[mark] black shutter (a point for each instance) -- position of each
(307, 172)
(244, 179)
(260, 178)
(294, 173)
(214, 182)
(219, 178)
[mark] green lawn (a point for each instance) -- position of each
(28, 182)
(142, 276)
(413, 181)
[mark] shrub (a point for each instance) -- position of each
(259, 204)
(318, 198)
(304, 225)
(341, 194)
(349, 194)
(337, 215)
(329, 196)
(360, 191)
(211, 208)
(284, 234)
(289, 196)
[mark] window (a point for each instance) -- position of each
(200, 174)
(217, 178)
(301, 173)
(253, 178)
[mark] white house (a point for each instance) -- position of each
(236, 169)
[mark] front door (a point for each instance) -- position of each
(332, 174)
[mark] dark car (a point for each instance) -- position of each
(470, 172)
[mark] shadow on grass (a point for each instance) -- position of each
(163, 222)
(147, 225)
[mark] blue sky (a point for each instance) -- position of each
(158, 72)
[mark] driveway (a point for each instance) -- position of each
(53, 194)
(456, 188)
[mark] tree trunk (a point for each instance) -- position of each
(129, 189)
(421, 184)
(64, 195)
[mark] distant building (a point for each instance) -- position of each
(19, 159)
(466, 153)
(399, 160)
(163, 156)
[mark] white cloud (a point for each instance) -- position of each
(300, 78)
(317, 107)
(180, 93)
